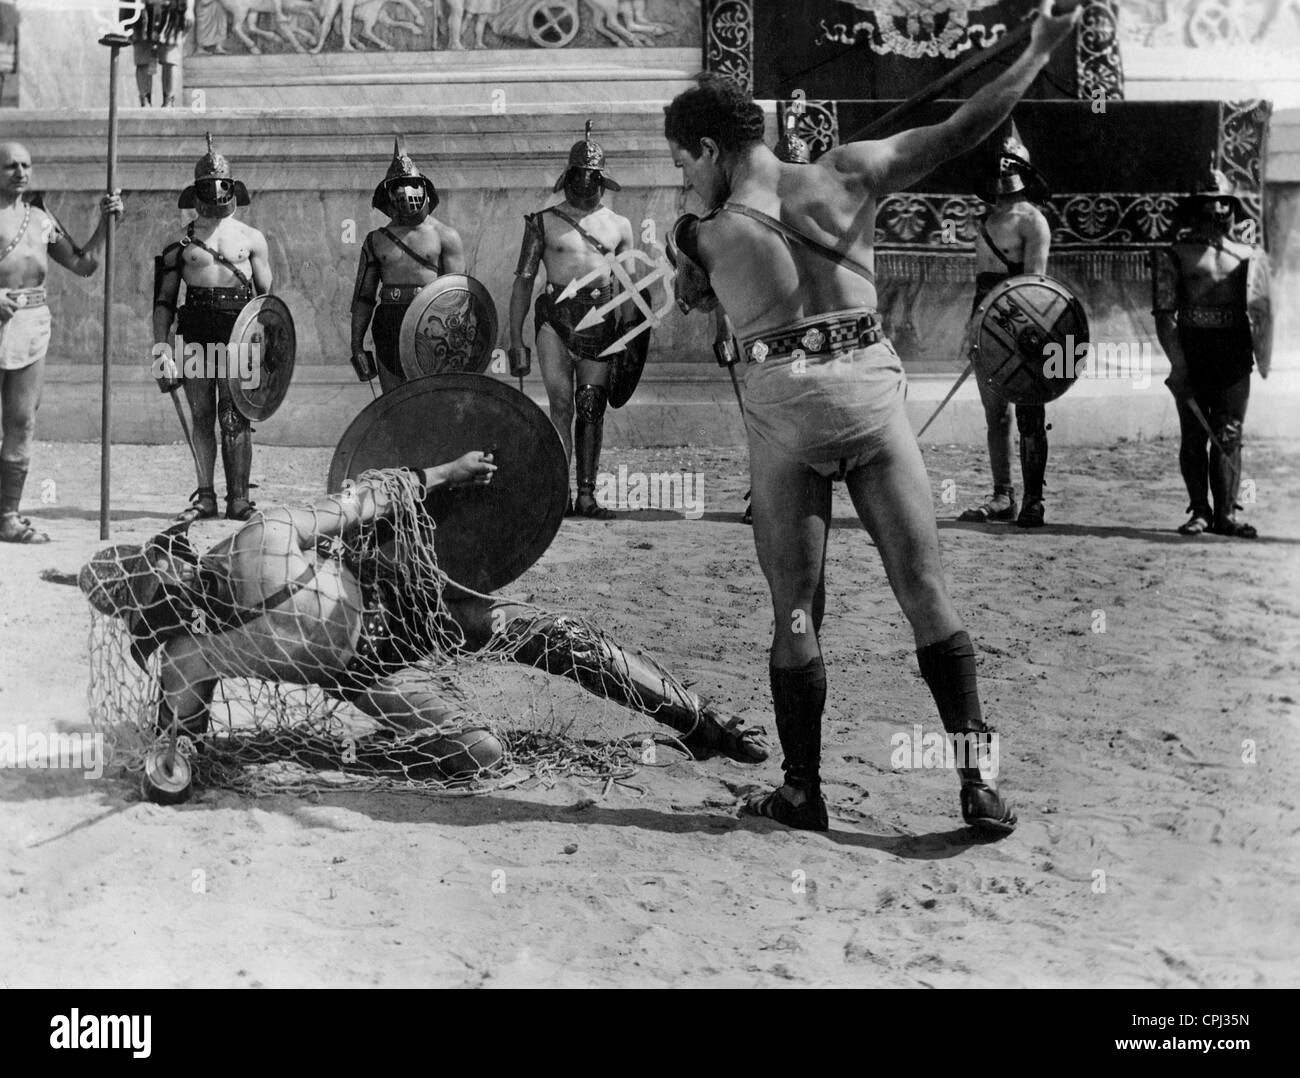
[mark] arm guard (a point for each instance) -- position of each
(691, 286)
(164, 265)
(532, 248)
(363, 292)
(1165, 272)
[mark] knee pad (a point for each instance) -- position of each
(233, 422)
(589, 403)
(1228, 434)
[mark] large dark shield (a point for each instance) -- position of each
(1028, 339)
(260, 356)
(627, 365)
(487, 536)
(450, 328)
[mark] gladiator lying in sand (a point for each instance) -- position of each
(345, 594)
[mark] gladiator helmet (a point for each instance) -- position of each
(214, 192)
(586, 159)
(144, 586)
(393, 196)
(790, 148)
(1015, 175)
(1214, 186)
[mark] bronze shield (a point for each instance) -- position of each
(450, 328)
(260, 357)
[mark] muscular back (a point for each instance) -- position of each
(764, 281)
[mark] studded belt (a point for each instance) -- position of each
(26, 297)
(817, 338)
(600, 294)
(216, 299)
(399, 293)
(1210, 317)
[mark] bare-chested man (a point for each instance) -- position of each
(318, 596)
(786, 249)
(1208, 290)
(396, 262)
(571, 240)
(29, 238)
(223, 263)
(1014, 238)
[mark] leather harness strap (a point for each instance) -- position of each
(984, 235)
(795, 236)
(579, 229)
(243, 277)
(414, 254)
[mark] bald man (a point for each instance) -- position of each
(29, 238)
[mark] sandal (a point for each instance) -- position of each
(1000, 505)
(203, 506)
(1198, 522)
(809, 815)
(16, 529)
(1233, 529)
(1032, 515)
(748, 517)
(239, 509)
(713, 735)
(983, 809)
(593, 511)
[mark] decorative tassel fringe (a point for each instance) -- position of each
(959, 266)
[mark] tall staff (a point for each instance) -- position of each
(115, 40)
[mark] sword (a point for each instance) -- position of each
(185, 424)
(943, 403)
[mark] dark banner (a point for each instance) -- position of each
(1116, 176)
(893, 48)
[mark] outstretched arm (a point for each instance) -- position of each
(361, 502)
(895, 163)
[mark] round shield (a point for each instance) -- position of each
(259, 357)
(450, 328)
(487, 536)
(1028, 340)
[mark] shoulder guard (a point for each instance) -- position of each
(532, 247)
(1165, 274)
(691, 286)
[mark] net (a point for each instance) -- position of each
(321, 647)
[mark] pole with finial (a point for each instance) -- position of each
(116, 40)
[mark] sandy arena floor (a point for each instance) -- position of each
(1151, 764)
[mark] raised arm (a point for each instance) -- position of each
(81, 260)
(897, 162)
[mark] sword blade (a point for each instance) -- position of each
(185, 423)
(1205, 425)
(943, 403)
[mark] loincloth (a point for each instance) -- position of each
(563, 317)
(984, 284)
(1217, 357)
(385, 328)
(210, 314)
(828, 410)
(25, 338)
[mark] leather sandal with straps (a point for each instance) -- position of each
(203, 506)
(1000, 505)
(1198, 522)
(16, 529)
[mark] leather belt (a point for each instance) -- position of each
(26, 297)
(600, 294)
(1209, 317)
(399, 293)
(817, 338)
(216, 299)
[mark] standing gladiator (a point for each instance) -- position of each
(1208, 293)
(396, 262)
(571, 240)
(158, 36)
(29, 238)
(1013, 239)
(223, 264)
(786, 249)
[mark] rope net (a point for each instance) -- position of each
(322, 647)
